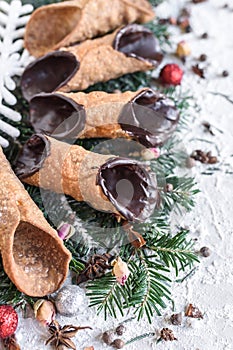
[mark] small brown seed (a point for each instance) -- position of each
(213, 160)
(120, 329)
(183, 23)
(225, 73)
(204, 36)
(205, 251)
(203, 57)
(118, 343)
(188, 29)
(107, 337)
(185, 12)
(176, 319)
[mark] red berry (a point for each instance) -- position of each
(171, 74)
(8, 321)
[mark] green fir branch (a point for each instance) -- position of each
(171, 157)
(128, 82)
(155, 2)
(149, 286)
(160, 31)
(107, 295)
(182, 195)
(38, 3)
(184, 101)
(176, 252)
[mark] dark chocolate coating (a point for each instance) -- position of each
(149, 118)
(32, 156)
(129, 187)
(56, 115)
(48, 73)
(138, 42)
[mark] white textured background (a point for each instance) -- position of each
(211, 222)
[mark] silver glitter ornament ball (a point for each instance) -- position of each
(70, 300)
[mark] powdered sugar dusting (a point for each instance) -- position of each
(210, 287)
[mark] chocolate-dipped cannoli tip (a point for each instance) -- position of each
(48, 73)
(33, 155)
(130, 188)
(150, 118)
(61, 24)
(146, 116)
(139, 42)
(57, 115)
(120, 185)
(55, 70)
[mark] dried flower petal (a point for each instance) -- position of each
(65, 231)
(183, 49)
(44, 311)
(121, 271)
(156, 152)
(193, 311)
(176, 319)
(150, 153)
(198, 71)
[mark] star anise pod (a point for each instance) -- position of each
(167, 334)
(95, 267)
(61, 335)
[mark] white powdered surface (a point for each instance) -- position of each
(211, 222)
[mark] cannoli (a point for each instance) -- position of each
(145, 116)
(107, 183)
(33, 255)
(53, 26)
(129, 49)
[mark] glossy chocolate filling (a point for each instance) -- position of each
(150, 118)
(129, 187)
(32, 156)
(56, 115)
(48, 73)
(138, 42)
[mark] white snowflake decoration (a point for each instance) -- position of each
(13, 18)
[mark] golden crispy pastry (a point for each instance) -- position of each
(108, 183)
(130, 49)
(53, 26)
(146, 116)
(33, 255)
